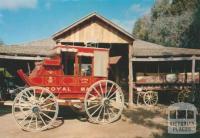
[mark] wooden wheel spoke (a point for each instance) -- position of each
(93, 96)
(30, 93)
(108, 113)
(24, 101)
(97, 92)
(42, 120)
(48, 110)
(47, 98)
(25, 113)
(106, 89)
(47, 105)
(110, 90)
(46, 115)
(101, 90)
(25, 96)
(94, 101)
(112, 98)
(96, 110)
(34, 92)
(113, 93)
(41, 94)
(104, 112)
(93, 106)
(36, 122)
(30, 121)
(25, 118)
(99, 113)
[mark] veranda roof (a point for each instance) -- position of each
(147, 49)
(140, 49)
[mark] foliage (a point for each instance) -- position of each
(142, 27)
(191, 37)
(5, 72)
(171, 23)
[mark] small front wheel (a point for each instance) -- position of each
(35, 109)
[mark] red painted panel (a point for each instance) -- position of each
(37, 81)
(52, 62)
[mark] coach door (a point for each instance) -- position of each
(85, 70)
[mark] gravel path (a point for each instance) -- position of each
(138, 122)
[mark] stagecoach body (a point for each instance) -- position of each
(71, 75)
(70, 71)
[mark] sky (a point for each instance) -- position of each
(29, 20)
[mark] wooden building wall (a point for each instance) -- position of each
(94, 31)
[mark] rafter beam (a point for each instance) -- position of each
(164, 59)
(15, 57)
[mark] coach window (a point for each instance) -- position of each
(85, 66)
(68, 61)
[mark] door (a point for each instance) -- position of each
(69, 80)
(85, 72)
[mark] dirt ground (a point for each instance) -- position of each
(137, 122)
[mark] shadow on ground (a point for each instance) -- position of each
(166, 135)
(145, 116)
(5, 110)
(155, 118)
(66, 113)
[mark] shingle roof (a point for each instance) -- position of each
(144, 49)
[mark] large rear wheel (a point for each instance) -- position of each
(104, 102)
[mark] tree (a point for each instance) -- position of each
(141, 28)
(191, 36)
(171, 23)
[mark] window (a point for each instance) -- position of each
(181, 114)
(190, 114)
(68, 61)
(173, 114)
(85, 66)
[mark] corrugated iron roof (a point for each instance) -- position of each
(140, 49)
(33, 48)
(41, 42)
(145, 49)
(25, 50)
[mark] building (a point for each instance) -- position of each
(95, 30)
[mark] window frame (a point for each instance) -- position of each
(78, 64)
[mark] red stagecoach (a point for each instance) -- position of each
(71, 75)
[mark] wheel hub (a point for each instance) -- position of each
(149, 97)
(35, 109)
(106, 101)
